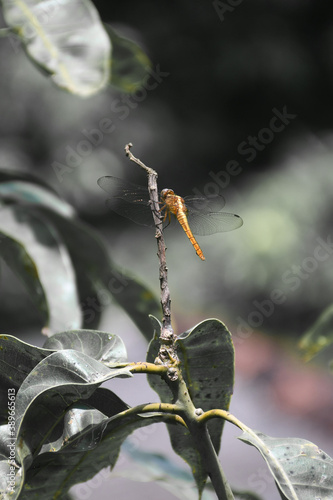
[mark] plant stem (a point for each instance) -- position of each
(212, 463)
(208, 415)
(202, 441)
(183, 410)
(171, 411)
(167, 353)
(145, 367)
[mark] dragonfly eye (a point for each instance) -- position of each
(166, 192)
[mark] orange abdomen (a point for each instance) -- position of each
(182, 219)
(176, 205)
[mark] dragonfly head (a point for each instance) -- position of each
(165, 193)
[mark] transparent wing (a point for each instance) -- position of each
(128, 200)
(132, 201)
(214, 222)
(140, 214)
(118, 188)
(203, 204)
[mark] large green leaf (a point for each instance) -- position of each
(62, 378)
(87, 441)
(54, 473)
(17, 359)
(319, 335)
(207, 363)
(29, 246)
(102, 346)
(66, 428)
(50, 388)
(98, 277)
(301, 470)
(106, 402)
(32, 193)
(66, 38)
(81, 429)
(130, 64)
(18, 259)
(10, 176)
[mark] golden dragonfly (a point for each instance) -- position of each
(199, 215)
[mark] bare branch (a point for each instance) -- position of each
(167, 353)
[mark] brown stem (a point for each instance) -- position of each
(167, 354)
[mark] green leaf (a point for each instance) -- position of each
(301, 470)
(65, 39)
(95, 277)
(107, 402)
(59, 380)
(102, 346)
(17, 359)
(87, 442)
(53, 385)
(7, 175)
(83, 425)
(207, 362)
(31, 193)
(96, 274)
(54, 473)
(81, 430)
(319, 335)
(21, 263)
(29, 245)
(207, 355)
(73, 444)
(130, 64)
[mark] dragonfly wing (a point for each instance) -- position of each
(214, 222)
(132, 201)
(140, 214)
(204, 204)
(118, 188)
(128, 200)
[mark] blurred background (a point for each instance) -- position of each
(240, 98)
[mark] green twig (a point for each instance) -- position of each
(145, 367)
(202, 441)
(211, 462)
(208, 415)
(170, 410)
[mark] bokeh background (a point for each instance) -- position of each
(221, 75)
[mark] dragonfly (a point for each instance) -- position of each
(197, 215)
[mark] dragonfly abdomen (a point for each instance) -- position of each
(182, 219)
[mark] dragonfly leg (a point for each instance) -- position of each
(161, 209)
(155, 211)
(167, 214)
